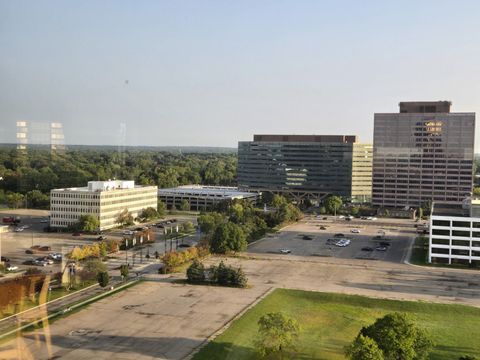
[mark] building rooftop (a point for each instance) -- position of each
(110, 185)
(425, 106)
(349, 139)
(226, 192)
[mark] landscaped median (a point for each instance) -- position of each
(329, 322)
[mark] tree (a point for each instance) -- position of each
(420, 213)
(161, 209)
(196, 272)
(148, 214)
(208, 222)
(37, 199)
(364, 348)
(277, 333)
(124, 218)
(184, 205)
(103, 278)
(15, 200)
(94, 266)
(124, 271)
(399, 338)
(228, 237)
(88, 222)
(188, 226)
(332, 204)
(467, 357)
(239, 278)
(278, 200)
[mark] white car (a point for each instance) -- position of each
(55, 256)
(128, 232)
(18, 229)
(341, 217)
(44, 221)
(285, 251)
(355, 231)
(373, 218)
(11, 267)
(342, 242)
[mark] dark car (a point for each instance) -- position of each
(45, 248)
(306, 237)
(325, 218)
(160, 226)
(339, 235)
(184, 245)
(367, 248)
(101, 237)
(4, 259)
(77, 234)
(28, 251)
(383, 243)
(323, 228)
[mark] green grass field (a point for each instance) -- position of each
(331, 321)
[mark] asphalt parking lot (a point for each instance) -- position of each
(306, 238)
(14, 244)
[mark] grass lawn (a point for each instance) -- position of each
(331, 321)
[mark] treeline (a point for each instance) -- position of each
(235, 224)
(39, 171)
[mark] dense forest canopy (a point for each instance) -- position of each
(43, 170)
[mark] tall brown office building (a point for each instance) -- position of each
(422, 154)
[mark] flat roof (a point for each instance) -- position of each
(440, 209)
(347, 139)
(199, 190)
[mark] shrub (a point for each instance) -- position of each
(124, 271)
(196, 272)
(103, 279)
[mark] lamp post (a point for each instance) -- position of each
(126, 251)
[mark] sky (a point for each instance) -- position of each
(212, 73)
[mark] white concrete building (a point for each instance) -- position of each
(103, 199)
(202, 197)
(454, 236)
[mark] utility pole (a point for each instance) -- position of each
(126, 251)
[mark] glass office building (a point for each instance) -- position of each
(306, 166)
(422, 154)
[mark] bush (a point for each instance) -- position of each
(103, 279)
(227, 276)
(196, 272)
(124, 271)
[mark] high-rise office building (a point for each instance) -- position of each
(422, 154)
(306, 166)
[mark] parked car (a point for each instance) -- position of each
(44, 221)
(307, 237)
(285, 251)
(355, 231)
(323, 228)
(184, 245)
(45, 259)
(18, 229)
(367, 248)
(4, 259)
(341, 217)
(160, 226)
(384, 243)
(128, 232)
(28, 251)
(55, 256)
(77, 234)
(11, 267)
(45, 248)
(381, 248)
(39, 262)
(339, 235)
(324, 218)
(101, 237)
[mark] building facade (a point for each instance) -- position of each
(422, 154)
(454, 236)
(103, 199)
(201, 197)
(306, 166)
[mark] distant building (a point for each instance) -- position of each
(454, 235)
(103, 199)
(422, 154)
(42, 133)
(306, 166)
(201, 197)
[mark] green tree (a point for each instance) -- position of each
(103, 278)
(184, 205)
(88, 222)
(208, 222)
(364, 348)
(148, 214)
(239, 278)
(15, 200)
(188, 226)
(94, 266)
(161, 209)
(467, 357)
(228, 237)
(278, 200)
(124, 271)
(399, 337)
(277, 334)
(420, 213)
(333, 204)
(196, 272)
(37, 199)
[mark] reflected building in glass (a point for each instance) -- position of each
(306, 166)
(422, 154)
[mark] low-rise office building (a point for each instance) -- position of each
(454, 235)
(103, 199)
(306, 166)
(201, 197)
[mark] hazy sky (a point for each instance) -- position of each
(215, 72)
